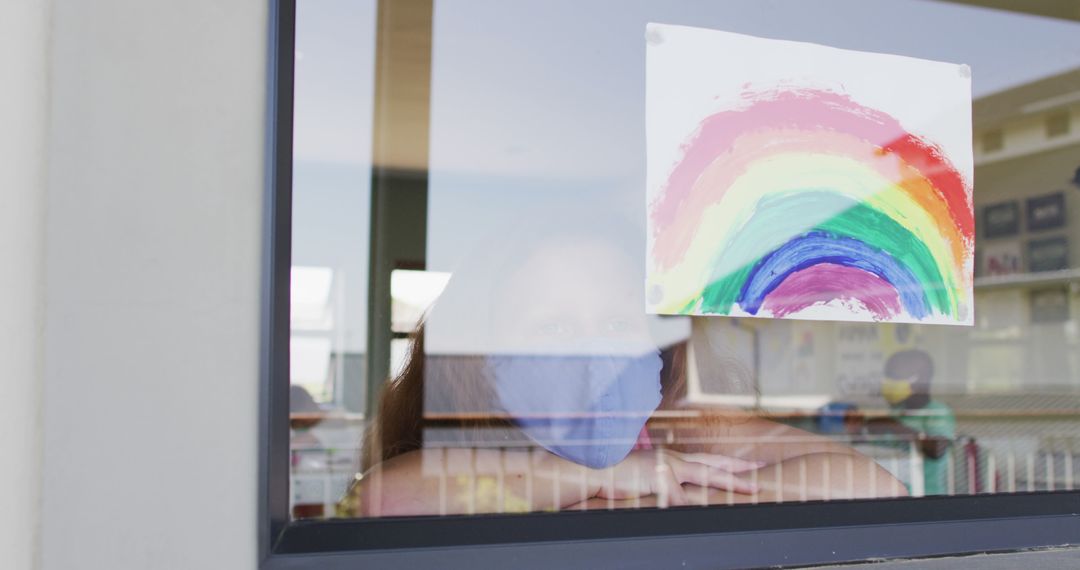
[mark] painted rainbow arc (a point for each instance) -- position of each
(802, 198)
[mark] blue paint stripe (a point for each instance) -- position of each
(818, 247)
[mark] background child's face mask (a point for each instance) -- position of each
(895, 391)
(587, 409)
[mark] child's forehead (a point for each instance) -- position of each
(567, 269)
(592, 255)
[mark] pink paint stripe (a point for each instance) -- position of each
(719, 175)
(828, 282)
(811, 110)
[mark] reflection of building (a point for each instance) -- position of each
(1027, 153)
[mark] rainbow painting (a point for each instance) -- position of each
(796, 196)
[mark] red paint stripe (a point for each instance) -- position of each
(813, 110)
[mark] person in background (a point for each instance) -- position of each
(914, 414)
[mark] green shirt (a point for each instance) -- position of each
(934, 419)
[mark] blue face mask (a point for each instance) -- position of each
(587, 409)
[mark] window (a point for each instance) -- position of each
(1057, 124)
(993, 140)
(459, 249)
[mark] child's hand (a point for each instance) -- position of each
(662, 473)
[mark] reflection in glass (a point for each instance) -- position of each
(536, 382)
(538, 355)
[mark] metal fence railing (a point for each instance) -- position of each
(321, 475)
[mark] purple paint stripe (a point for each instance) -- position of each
(826, 282)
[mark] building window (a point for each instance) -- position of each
(993, 140)
(1057, 124)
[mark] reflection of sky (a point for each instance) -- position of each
(335, 45)
(540, 104)
(332, 145)
(557, 110)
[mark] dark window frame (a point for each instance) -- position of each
(790, 534)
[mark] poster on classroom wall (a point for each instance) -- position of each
(1000, 259)
(799, 181)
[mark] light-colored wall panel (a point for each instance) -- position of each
(152, 270)
(24, 42)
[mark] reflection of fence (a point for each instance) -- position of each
(972, 466)
(1014, 465)
(321, 475)
(323, 458)
(318, 478)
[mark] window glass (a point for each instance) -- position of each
(518, 369)
(331, 222)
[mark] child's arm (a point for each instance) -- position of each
(465, 481)
(819, 476)
(760, 439)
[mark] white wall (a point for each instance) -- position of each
(152, 284)
(24, 26)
